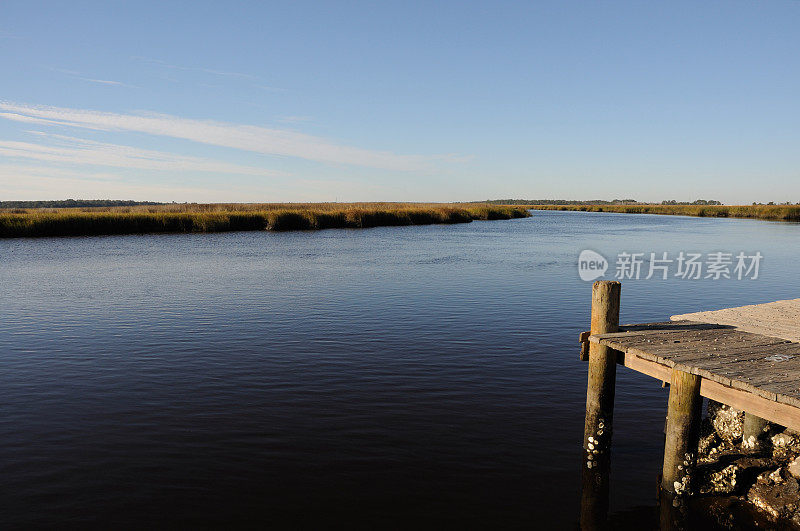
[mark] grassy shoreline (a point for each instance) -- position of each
(766, 212)
(184, 218)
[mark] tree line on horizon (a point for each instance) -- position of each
(88, 203)
(75, 203)
(594, 202)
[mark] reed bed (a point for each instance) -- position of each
(767, 212)
(15, 223)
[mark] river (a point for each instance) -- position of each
(388, 377)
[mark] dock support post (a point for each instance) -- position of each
(595, 494)
(753, 431)
(599, 408)
(602, 371)
(683, 431)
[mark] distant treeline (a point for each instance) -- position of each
(593, 202)
(74, 203)
(770, 212)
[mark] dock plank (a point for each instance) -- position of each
(776, 319)
(757, 372)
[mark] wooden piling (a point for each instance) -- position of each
(602, 371)
(672, 516)
(753, 431)
(599, 408)
(595, 490)
(683, 431)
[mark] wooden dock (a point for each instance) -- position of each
(746, 357)
(752, 372)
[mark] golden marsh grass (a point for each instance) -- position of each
(221, 217)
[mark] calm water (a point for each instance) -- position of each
(390, 377)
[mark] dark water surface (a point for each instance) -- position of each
(390, 377)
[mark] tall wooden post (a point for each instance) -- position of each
(753, 431)
(602, 371)
(683, 432)
(599, 408)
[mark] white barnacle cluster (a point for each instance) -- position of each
(681, 486)
(749, 443)
(592, 449)
(782, 440)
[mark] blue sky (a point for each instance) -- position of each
(408, 101)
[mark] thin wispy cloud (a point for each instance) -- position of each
(64, 71)
(39, 121)
(71, 150)
(294, 119)
(269, 88)
(164, 64)
(9, 170)
(253, 80)
(243, 137)
(20, 182)
(78, 75)
(105, 82)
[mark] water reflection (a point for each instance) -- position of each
(595, 491)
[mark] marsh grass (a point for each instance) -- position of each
(239, 217)
(767, 212)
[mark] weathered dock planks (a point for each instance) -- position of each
(752, 364)
(776, 319)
